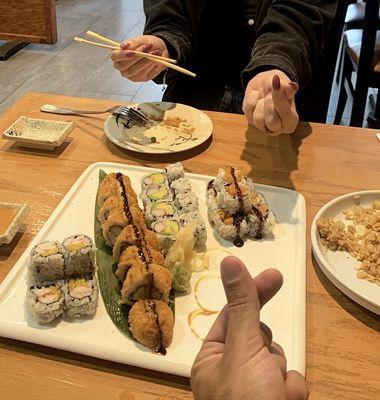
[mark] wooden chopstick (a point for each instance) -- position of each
(148, 56)
(104, 46)
(140, 53)
(96, 35)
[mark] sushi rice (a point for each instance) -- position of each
(81, 297)
(46, 262)
(46, 301)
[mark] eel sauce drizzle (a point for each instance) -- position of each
(140, 241)
(238, 216)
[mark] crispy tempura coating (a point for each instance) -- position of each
(132, 255)
(152, 328)
(146, 282)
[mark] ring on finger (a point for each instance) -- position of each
(271, 133)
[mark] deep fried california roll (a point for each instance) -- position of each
(134, 255)
(149, 282)
(151, 323)
(134, 236)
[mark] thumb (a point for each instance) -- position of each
(243, 309)
(295, 385)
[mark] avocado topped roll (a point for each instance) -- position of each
(79, 254)
(151, 281)
(46, 261)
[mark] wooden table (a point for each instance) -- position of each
(320, 161)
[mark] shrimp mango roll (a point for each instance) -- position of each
(81, 297)
(47, 261)
(46, 301)
(79, 251)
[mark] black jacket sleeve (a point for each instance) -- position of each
(168, 19)
(291, 37)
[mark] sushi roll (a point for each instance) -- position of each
(151, 324)
(186, 202)
(166, 229)
(158, 178)
(112, 228)
(45, 301)
(46, 262)
(112, 203)
(261, 220)
(79, 252)
(232, 191)
(134, 236)
(146, 282)
(174, 171)
(159, 210)
(181, 185)
(81, 297)
(230, 227)
(199, 227)
(156, 193)
(133, 255)
(108, 187)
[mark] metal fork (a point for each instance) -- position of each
(129, 112)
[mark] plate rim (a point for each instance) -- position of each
(157, 151)
(339, 279)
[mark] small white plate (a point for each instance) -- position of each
(168, 139)
(338, 266)
(21, 210)
(41, 134)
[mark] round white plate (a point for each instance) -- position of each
(167, 139)
(338, 266)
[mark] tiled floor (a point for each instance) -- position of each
(75, 69)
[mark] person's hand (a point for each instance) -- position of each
(133, 66)
(238, 360)
(269, 103)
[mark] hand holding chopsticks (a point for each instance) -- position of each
(151, 60)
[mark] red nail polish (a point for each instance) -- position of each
(276, 84)
(294, 85)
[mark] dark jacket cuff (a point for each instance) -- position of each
(268, 63)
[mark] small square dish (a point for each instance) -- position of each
(38, 133)
(12, 215)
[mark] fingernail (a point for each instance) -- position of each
(125, 45)
(144, 48)
(276, 84)
(294, 85)
(230, 269)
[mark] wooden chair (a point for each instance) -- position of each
(354, 19)
(361, 56)
(323, 72)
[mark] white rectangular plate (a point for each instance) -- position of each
(98, 337)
